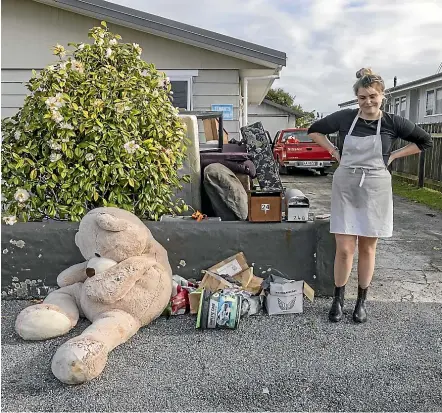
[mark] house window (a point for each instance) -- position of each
(400, 106)
(181, 82)
(430, 103)
(180, 96)
(403, 106)
(439, 100)
(388, 106)
(433, 104)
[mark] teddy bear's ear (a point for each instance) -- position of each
(110, 223)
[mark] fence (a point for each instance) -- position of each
(426, 165)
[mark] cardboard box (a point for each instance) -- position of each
(265, 206)
(211, 128)
(231, 266)
(194, 300)
(236, 267)
(213, 282)
(288, 297)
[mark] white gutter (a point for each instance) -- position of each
(245, 91)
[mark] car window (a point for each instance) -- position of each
(296, 137)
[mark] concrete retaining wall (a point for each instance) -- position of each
(301, 251)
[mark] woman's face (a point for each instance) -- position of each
(370, 100)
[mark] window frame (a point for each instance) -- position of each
(399, 98)
(434, 90)
(183, 76)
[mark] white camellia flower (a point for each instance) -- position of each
(57, 117)
(65, 125)
(63, 65)
(77, 66)
(81, 46)
(113, 42)
(131, 147)
(121, 107)
(99, 42)
(59, 50)
(98, 103)
(55, 102)
(90, 157)
(17, 135)
(10, 220)
(108, 52)
(137, 48)
(55, 157)
(54, 146)
(21, 195)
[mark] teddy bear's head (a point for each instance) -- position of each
(112, 233)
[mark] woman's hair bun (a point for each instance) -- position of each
(363, 72)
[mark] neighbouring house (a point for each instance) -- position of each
(273, 116)
(419, 100)
(208, 70)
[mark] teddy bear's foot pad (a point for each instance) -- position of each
(42, 321)
(79, 360)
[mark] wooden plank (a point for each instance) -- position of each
(217, 76)
(216, 89)
(207, 101)
(16, 75)
(14, 88)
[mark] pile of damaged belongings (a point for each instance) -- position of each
(229, 291)
(227, 176)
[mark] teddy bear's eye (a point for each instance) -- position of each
(97, 255)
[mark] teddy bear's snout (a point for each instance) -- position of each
(90, 272)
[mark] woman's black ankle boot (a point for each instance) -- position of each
(360, 314)
(335, 313)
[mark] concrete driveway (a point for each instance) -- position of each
(409, 265)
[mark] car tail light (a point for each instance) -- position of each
(284, 154)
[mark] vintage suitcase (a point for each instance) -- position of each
(265, 206)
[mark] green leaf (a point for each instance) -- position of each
(103, 23)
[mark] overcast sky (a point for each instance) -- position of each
(326, 41)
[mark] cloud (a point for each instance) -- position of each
(326, 41)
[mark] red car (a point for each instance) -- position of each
(292, 148)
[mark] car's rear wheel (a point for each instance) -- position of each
(282, 168)
(323, 172)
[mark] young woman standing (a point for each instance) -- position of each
(362, 201)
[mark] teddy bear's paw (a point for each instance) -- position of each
(42, 321)
(79, 360)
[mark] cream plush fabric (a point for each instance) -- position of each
(126, 288)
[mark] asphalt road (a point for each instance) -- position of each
(282, 363)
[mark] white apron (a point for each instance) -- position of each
(362, 199)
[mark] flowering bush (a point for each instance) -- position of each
(98, 129)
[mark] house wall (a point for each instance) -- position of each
(30, 30)
(273, 119)
(416, 103)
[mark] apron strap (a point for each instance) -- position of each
(378, 130)
(354, 123)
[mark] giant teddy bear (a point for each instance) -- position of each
(124, 284)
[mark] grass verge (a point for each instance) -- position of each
(425, 196)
